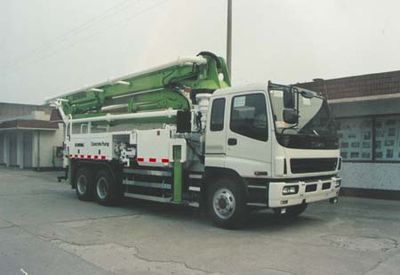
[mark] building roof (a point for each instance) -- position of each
(55, 116)
(377, 85)
(28, 124)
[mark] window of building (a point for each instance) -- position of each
(249, 116)
(370, 139)
(355, 138)
(387, 139)
(217, 114)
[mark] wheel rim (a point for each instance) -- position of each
(102, 188)
(82, 183)
(224, 203)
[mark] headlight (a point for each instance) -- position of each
(289, 190)
(338, 183)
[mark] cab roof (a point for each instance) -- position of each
(241, 88)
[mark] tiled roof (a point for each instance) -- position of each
(28, 124)
(357, 86)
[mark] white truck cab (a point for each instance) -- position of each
(282, 165)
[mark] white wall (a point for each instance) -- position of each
(49, 139)
(375, 175)
(371, 175)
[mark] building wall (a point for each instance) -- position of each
(12, 148)
(30, 148)
(369, 135)
(6, 159)
(366, 108)
(383, 176)
(1, 149)
(11, 110)
(44, 143)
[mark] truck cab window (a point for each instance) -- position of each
(217, 115)
(249, 116)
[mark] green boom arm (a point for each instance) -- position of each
(152, 90)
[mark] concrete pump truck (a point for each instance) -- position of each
(180, 134)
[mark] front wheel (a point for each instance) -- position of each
(226, 203)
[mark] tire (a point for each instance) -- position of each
(292, 211)
(84, 184)
(106, 190)
(226, 203)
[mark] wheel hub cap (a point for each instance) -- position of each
(102, 188)
(224, 203)
(82, 184)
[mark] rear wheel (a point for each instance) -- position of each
(84, 184)
(106, 189)
(226, 203)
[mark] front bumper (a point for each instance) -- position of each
(308, 191)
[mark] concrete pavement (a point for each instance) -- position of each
(44, 229)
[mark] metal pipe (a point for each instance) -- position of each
(137, 93)
(110, 117)
(177, 152)
(114, 107)
(179, 62)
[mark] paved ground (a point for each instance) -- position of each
(44, 229)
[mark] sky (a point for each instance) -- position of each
(48, 48)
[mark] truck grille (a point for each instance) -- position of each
(313, 165)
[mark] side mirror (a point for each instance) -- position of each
(307, 94)
(290, 116)
(288, 99)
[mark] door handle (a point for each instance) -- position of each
(261, 173)
(232, 141)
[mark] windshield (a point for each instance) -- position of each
(315, 127)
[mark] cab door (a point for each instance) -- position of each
(216, 133)
(248, 145)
